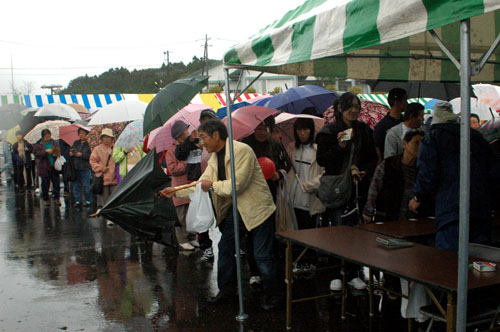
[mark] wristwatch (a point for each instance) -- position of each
(211, 189)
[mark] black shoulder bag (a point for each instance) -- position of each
(98, 181)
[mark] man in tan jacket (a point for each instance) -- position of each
(255, 207)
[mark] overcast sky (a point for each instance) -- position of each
(54, 41)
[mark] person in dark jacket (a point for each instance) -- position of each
(46, 152)
(335, 143)
(438, 174)
(334, 151)
(80, 152)
(264, 145)
(392, 185)
(21, 158)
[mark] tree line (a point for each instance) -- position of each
(121, 80)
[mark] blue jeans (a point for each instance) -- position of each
(46, 180)
(447, 235)
(263, 239)
(82, 179)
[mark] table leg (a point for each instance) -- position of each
(450, 313)
(344, 288)
(370, 292)
(289, 281)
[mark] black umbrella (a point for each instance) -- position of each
(11, 115)
(437, 90)
(29, 122)
(136, 206)
(170, 99)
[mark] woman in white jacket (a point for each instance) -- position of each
(303, 178)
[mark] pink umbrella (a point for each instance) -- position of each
(69, 134)
(247, 118)
(285, 123)
(161, 138)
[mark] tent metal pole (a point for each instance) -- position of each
(241, 315)
(480, 64)
(463, 250)
(249, 85)
(445, 50)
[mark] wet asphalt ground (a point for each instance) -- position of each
(63, 271)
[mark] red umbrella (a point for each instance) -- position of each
(69, 134)
(371, 113)
(247, 118)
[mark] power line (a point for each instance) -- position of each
(70, 68)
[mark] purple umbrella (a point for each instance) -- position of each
(295, 100)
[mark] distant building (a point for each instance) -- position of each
(269, 82)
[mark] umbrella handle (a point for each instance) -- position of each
(164, 193)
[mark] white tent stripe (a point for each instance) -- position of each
(394, 20)
(328, 32)
(282, 43)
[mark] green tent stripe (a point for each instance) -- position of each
(4, 100)
(302, 40)
(331, 67)
(301, 10)
(396, 69)
(444, 12)
(496, 68)
(263, 49)
(361, 25)
(450, 35)
(232, 57)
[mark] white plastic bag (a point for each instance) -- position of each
(58, 164)
(200, 215)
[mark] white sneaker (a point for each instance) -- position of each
(195, 243)
(357, 283)
(255, 280)
(336, 285)
(187, 246)
(109, 223)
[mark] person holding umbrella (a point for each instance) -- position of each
(255, 207)
(46, 151)
(80, 152)
(103, 165)
(21, 157)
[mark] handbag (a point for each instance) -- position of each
(335, 190)
(285, 214)
(69, 173)
(98, 181)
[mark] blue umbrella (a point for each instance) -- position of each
(295, 100)
(222, 112)
(430, 104)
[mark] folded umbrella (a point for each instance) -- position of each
(36, 133)
(58, 111)
(69, 134)
(285, 124)
(170, 99)
(161, 138)
(295, 100)
(131, 136)
(136, 206)
(122, 111)
(247, 118)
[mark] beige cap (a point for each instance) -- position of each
(107, 132)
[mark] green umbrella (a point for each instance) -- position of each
(170, 99)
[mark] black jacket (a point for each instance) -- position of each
(16, 158)
(81, 163)
(439, 173)
(182, 152)
(333, 158)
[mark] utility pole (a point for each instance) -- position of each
(205, 56)
(166, 54)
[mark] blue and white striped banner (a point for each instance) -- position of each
(90, 101)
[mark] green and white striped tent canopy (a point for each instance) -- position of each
(373, 39)
(381, 98)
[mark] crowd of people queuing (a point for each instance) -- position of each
(403, 169)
